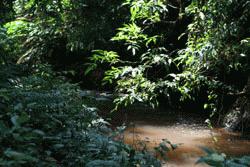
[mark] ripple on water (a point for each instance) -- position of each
(190, 137)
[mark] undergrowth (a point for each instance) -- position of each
(44, 121)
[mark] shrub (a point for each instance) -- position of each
(43, 121)
(221, 160)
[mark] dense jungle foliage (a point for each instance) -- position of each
(188, 53)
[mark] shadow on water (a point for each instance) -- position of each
(185, 128)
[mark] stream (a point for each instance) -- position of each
(186, 129)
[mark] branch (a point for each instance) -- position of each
(240, 94)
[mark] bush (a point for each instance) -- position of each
(43, 121)
(221, 160)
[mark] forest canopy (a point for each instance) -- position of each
(186, 53)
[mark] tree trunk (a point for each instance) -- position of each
(238, 117)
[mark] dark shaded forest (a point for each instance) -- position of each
(187, 56)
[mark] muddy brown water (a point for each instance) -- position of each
(187, 130)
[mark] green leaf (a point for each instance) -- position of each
(19, 156)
